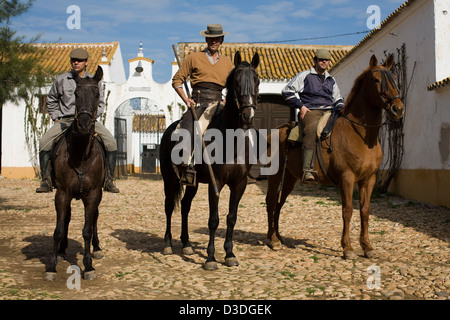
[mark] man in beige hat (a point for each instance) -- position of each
(208, 71)
(61, 108)
(314, 92)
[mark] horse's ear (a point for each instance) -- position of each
(98, 74)
(255, 60)
(373, 61)
(237, 59)
(389, 62)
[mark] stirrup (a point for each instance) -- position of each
(314, 174)
(110, 187)
(189, 177)
(45, 187)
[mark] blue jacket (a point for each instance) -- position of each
(307, 89)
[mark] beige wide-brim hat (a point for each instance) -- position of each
(213, 30)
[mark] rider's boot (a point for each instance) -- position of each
(44, 162)
(307, 170)
(109, 172)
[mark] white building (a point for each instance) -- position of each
(138, 109)
(418, 34)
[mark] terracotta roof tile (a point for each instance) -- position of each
(277, 62)
(55, 56)
(439, 84)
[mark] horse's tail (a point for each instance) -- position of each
(172, 187)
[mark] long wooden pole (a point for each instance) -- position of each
(194, 114)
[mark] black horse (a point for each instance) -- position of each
(78, 172)
(242, 92)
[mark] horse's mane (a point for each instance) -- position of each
(357, 84)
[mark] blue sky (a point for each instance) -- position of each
(161, 23)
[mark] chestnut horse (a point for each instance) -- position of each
(242, 92)
(78, 172)
(352, 154)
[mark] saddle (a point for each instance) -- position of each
(296, 133)
(325, 127)
(186, 174)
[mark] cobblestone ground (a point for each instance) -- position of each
(412, 240)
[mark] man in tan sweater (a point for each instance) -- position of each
(208, 71)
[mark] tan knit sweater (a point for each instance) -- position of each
(198, 67)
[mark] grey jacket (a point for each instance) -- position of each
(61, 97)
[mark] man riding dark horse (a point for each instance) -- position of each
(61, 108)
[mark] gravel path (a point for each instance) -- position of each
(412, 240)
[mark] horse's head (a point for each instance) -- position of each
(387, 92)
(87, 96)
(244, 83)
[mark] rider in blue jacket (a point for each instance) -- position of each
(314, 92)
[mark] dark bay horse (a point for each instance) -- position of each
(78, 168)
(242, 91)
(354, 157)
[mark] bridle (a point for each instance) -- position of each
(248, 89)
(92, 115)
(387, 77)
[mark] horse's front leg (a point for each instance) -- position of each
(213, 224)
(91, 204)
(365, 193)
(97, 251)
(62, 206)
(235, 197)
(347, 211)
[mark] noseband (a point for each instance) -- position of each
(387, 77)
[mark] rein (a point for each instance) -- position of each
(82, 173)
(361, 124)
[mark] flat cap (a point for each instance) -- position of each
(79, 53)
(323, 54)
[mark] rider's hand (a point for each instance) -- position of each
(190, 103)
(303, 111)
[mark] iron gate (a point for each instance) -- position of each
(120, 133)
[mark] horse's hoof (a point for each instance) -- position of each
(90, 275)
(188, 251)
(275, 245)
(50, 276)
(210, 265)
(167, 251)
(231, 262)
(371, 254)
(98, 254)
(350, 255)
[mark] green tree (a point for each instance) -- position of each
(20, 72)
(21, 75)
